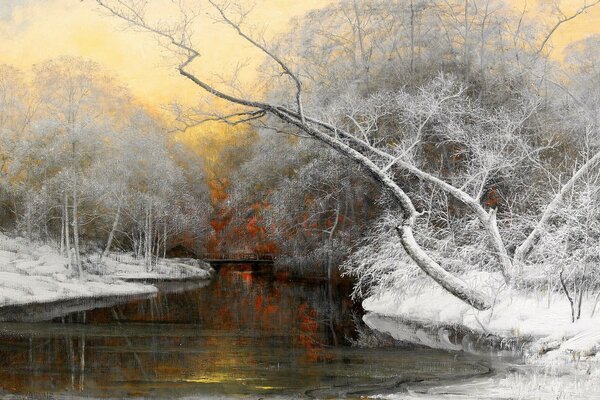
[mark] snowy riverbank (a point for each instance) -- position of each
(32, 273)
(561, 358)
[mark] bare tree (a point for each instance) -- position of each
(340, 140)
(563, 18)
(358, 142)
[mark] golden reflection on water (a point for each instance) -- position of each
(241, 335)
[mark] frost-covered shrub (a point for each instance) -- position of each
(380, 263)
(571, 242)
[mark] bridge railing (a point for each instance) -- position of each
(238, 256)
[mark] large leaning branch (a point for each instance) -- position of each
(488, 220)
(449, 282)
(286, 69)
(134, 17)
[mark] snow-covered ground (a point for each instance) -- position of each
(39, 274)
(523, 385)
(562, 359)
(127, 267)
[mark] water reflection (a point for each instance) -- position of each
(243, 334)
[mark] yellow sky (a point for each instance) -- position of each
(35, 30)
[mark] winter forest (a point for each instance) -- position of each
(431, 167)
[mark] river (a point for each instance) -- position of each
(242, 334)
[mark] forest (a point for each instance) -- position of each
(387, 142)
(86, 168)
(441, 157)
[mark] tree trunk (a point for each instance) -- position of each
(111, 235)
(466, 48)
(148, 241)
(412, 38)
(527, 246)
(482, 44)
(141, 243)
(145, 251)
(452, 284)
(62, 230)
(135, 245)
(28, 220)
(157, 246)
(150, 237)
(76, 227)
(67, 239)
(165, 239)
(361, 42)
(564, 286)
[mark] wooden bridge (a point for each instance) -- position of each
(239, 258)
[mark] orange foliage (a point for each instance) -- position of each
(491, 198)
(252, 227)
(258, 302)
(309, 334)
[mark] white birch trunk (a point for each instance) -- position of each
(165, 240)
(67, 239)
(111, 235)
(76, 226)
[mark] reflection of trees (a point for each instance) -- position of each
(41, 364)
(136, 357)
(76, 358)
(241, 301)
(241, 324)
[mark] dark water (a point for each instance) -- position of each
(241, 335)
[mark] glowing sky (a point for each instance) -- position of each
(35, 30)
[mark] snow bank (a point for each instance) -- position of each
(546, 320)
(19, 289)
(126, 266)
(39, 274)
(525, 386)
(562, 359)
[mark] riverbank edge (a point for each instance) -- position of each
(119, 291)
(542, 318)
(447, 336)
(524, 368)
(562, 354)
(35, 276)
(45, 310)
